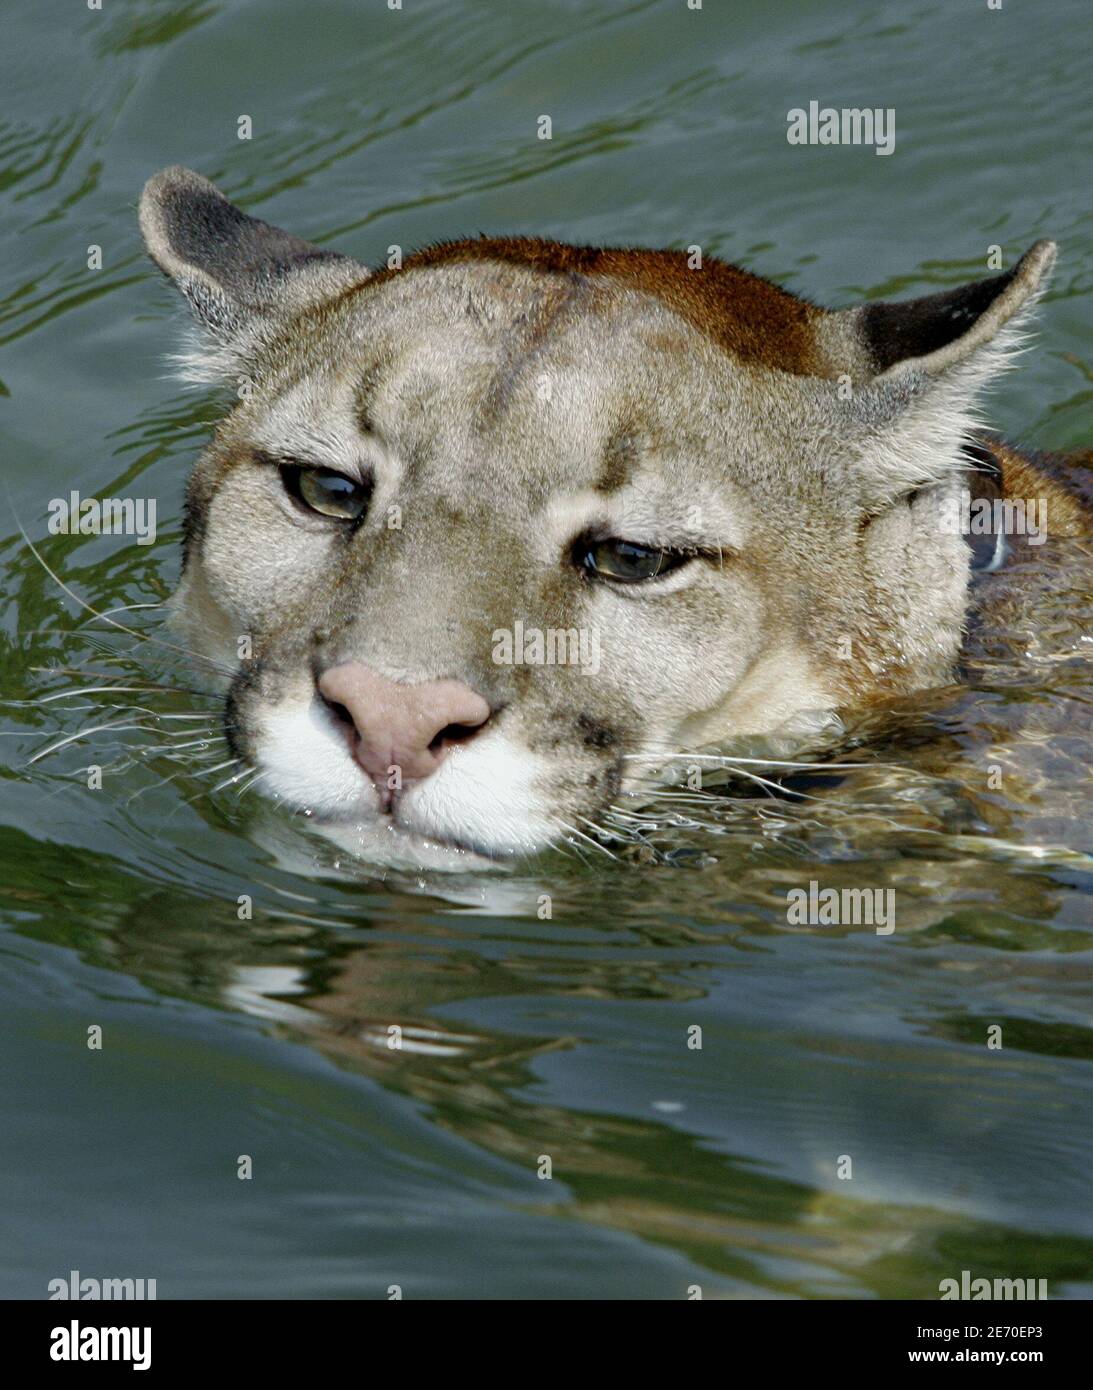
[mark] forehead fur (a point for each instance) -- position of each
(747, 316)
(492, 375)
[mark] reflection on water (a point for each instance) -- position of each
(251, 979)
(522, 1038)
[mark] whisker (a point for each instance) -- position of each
(127, 608)
(189, 800)
(594, 843)
(175, 748)
(132, 632)
(82, 733)
(249, 786)
(728, 760)
(83, 672)
(610, 833)
(98, 690)
(230, 781)
(208, 772)
(751, 777)
(210, 716)
(182, 772)
(738, 766)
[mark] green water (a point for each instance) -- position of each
(267, 1037)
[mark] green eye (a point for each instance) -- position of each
(326, 492)
(626, 562)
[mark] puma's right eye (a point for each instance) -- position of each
(626, 562)
(326, 492)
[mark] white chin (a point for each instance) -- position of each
(388, 845)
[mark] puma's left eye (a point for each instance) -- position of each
(326, 492)
(625, 562)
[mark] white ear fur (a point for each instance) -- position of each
(202, 360)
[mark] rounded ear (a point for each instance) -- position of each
(233, 269)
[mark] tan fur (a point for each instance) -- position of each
(1065, 481)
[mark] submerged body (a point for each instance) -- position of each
(719, 510)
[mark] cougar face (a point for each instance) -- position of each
(485, 537)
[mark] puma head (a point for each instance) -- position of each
(484, 537)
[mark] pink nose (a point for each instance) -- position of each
(401, 726)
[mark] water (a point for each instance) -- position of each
(523, 1037)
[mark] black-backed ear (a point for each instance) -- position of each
(233, 269)
(917, 369)
(940, 330)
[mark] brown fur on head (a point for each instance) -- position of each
(515, 409)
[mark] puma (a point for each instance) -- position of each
(743, 503)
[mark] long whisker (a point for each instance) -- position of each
(82, 733)
(209, 717)
(738, 766)
(175, 748)
(765, 783)
(97, 690)
(182, 772)
(121, 627)
(65, 783)
(594, 843)
(249, 786)
(230, 781)
(208, 772)
(730, 760)
(189, 800)
(84, 673)
(127, 608)
(615, 829)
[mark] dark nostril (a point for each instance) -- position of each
(339, 711)
(454, 733)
